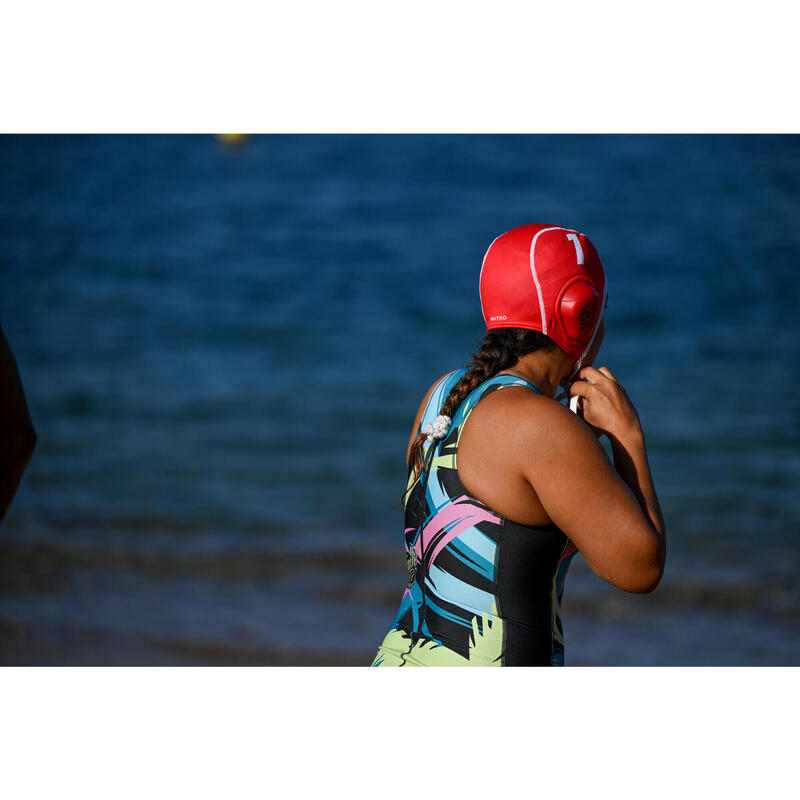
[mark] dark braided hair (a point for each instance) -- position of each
(499, 350)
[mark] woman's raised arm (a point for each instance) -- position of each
(610, 511)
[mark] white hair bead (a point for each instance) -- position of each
(438, 429)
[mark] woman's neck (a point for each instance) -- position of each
(545, 370)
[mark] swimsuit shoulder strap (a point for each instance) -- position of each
(439, 395)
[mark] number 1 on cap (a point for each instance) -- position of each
(578, 249)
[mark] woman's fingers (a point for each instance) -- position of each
(602, 404)
(594, 375)
(580, 388)
(590, 374)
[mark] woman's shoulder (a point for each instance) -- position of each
(529, 410)
(519, 420)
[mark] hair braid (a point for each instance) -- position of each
(498, 350)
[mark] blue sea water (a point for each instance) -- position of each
(223, 351)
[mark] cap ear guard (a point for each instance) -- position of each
(578, 308)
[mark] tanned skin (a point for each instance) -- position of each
(17, 436)
(533, 461)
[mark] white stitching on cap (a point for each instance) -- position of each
(536, 277)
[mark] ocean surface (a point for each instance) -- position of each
(223, 350)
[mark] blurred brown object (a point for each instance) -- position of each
(17, 435)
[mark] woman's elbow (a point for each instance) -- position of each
(649, 576)
(634, 578)
(647, 581)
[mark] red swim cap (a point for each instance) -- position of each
(545, 278)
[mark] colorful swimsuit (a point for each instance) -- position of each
(483, 590)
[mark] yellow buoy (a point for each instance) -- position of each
(233, 139)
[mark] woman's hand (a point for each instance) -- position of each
(605, 406)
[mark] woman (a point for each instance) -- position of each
(496, 509)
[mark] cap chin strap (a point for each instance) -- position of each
(565, 384)
(571, 402)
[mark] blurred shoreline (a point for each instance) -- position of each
(342, 597)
